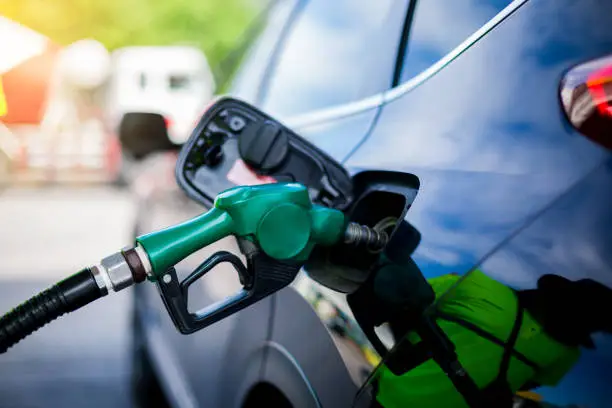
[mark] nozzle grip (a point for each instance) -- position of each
(264, 277)
(167, 247)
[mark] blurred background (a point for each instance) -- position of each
(70, 72)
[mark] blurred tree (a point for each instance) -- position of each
(212, 25)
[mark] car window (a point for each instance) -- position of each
(438, 26)
(247, 80)
(336, 52)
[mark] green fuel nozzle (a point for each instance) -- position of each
(279, 219)
(277, 226)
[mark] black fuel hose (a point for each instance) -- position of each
(65, 296)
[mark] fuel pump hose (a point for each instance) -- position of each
(66, 296)
(115, 273)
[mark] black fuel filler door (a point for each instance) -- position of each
(381, 202)
(234, 135)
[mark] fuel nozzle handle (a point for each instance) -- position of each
(277, 227)
(279, 219)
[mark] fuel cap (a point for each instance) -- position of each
(263, 147)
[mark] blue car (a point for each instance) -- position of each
(495, 106)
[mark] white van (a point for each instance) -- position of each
(173, 81)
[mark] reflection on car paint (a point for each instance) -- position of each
(428, 44)
(325, 76)
(558, 324)
(348, 132)
(501, 146)
(546, 246)
(355, 349)
(497, 163)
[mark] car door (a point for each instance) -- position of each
(506, 185)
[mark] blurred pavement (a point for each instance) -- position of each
(49, 232)
(81, 359)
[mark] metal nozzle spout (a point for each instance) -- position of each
(357, 234)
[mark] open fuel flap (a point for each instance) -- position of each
(237, 144)
(383, 284)
(381, 201)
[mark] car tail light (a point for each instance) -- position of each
(586, 97)
(168, 122)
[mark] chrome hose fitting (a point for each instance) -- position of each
(118, 271)
(122, 269)
(357, 234)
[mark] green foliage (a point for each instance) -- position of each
(213, 25)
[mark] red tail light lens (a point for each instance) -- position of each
(586, 96)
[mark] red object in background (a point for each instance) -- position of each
(26, 87)
(242, 175)
(27, 61)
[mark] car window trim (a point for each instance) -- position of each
(436, 67)
(372, 102)
(403, 44)
(272, 65)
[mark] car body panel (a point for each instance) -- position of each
(307, 341)
(217, 366)
(507, 185)
(282, 370)
(488, 129)
(571, 238)
(320, 63)
(348, 132)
